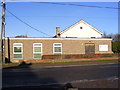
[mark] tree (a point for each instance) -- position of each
(105, 35)
(116, 37)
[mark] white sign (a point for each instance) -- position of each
(103, 47)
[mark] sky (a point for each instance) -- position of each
(46, 17)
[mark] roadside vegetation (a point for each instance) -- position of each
(104, 60)
(116, 46)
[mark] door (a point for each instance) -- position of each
(89, 48)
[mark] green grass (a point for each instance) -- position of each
(65, 62)
(10, 63)
(0, 61)
(88, 61)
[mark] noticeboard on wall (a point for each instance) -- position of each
(103, 47)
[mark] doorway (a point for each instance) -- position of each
(89, 48)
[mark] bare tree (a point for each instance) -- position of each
(116, 37)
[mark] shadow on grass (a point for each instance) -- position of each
(21, 65)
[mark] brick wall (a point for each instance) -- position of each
(70, 48)
(78, 56)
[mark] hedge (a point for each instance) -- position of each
(116, 46)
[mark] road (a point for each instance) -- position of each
(85, 76)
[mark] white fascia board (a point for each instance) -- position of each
(60, 38)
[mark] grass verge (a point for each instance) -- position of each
(77, 61)
(66, 62)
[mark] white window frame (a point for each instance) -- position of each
(18, 52)
(37, 52)
(57, 46)
(103, 45)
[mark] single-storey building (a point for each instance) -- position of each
(80, 38)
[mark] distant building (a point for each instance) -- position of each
(80, 38)
(21, 36)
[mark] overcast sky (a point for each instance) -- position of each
(46, 17)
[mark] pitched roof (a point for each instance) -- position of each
(81, 21)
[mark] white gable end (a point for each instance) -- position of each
(81, 29)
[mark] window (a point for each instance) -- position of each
(17, 50)
(81, 27)
(103, 47)
(92, 37)
(37, 50)
(57, 48)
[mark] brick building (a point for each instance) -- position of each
(80, 38)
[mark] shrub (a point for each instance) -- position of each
(116, 46)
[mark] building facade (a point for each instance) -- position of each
(63, 43)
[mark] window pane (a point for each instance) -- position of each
(37, 49)
(37, 44)
(57, 44)
(17, 56)
(17, 49)
(37, 56)
(57, 49)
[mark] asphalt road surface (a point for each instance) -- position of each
(72, 76)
